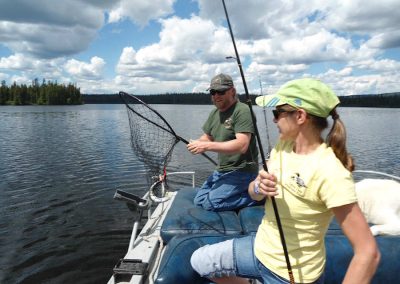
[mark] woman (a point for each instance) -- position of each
(311, 181)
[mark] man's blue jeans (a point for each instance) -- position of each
(224, 191)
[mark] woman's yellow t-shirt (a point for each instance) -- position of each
(308, 186)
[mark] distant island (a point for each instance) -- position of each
(387, 100)
(46, 93)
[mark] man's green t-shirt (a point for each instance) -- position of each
(223, 126)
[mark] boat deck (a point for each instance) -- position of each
(177, 228)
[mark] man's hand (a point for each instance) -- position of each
(197, 146)
(206, 143)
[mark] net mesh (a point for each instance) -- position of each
(152, 139)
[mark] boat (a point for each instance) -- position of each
(160, 252)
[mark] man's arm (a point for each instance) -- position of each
(205, 137)
(238, 145)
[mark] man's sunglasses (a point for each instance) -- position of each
(278, 112)
(219, 93)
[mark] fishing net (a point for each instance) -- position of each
(152, 138)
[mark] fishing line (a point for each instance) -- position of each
(265, 119)
(257, 134)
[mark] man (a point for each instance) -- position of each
(229, 131)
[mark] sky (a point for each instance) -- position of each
(169, 46)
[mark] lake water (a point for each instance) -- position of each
(60, 166)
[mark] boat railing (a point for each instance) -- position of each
(377, 173)
(154, 216)
(192, 173)
(147, 201)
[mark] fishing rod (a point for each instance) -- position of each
(278, 219)
(265, 117)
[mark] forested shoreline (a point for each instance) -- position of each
(46, 93)
(52, 93)
(389, 100)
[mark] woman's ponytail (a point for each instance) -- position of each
(336, 139)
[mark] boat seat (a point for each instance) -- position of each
(339, 253)
(175, 265)
(250, 218)
(185, 218)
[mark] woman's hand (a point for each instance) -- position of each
(267, 183)
(263, 186)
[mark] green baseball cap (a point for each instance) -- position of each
(309, 94)
(221, 82)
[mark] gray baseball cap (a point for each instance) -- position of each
(221, 82)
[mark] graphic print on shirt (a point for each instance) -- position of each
(228, 123)
(296, 184)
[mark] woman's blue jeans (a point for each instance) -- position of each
(235, 257)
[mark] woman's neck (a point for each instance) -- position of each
(304, 145)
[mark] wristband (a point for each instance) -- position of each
(256, 185)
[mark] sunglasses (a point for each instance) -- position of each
(278, 112)
(219, 93)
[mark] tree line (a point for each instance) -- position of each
(168, 98)
(46, 93)
(52, 93)
(387, 100)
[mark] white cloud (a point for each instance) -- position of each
(16, 62)
(21, 79)
(4, 77)
(381, 66)
(257, 71)
(344, 82)
(260, 19)
(303, 49)
(345, 71)
(141, 12)
(83, 70)
(343, 42)
(296, 47)
(65, 13)
(358, 16)
(97, 86)
(45, 41)
(128, 56)
(188, 54)
(31, 68)
(45, 30)
(385, 40)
